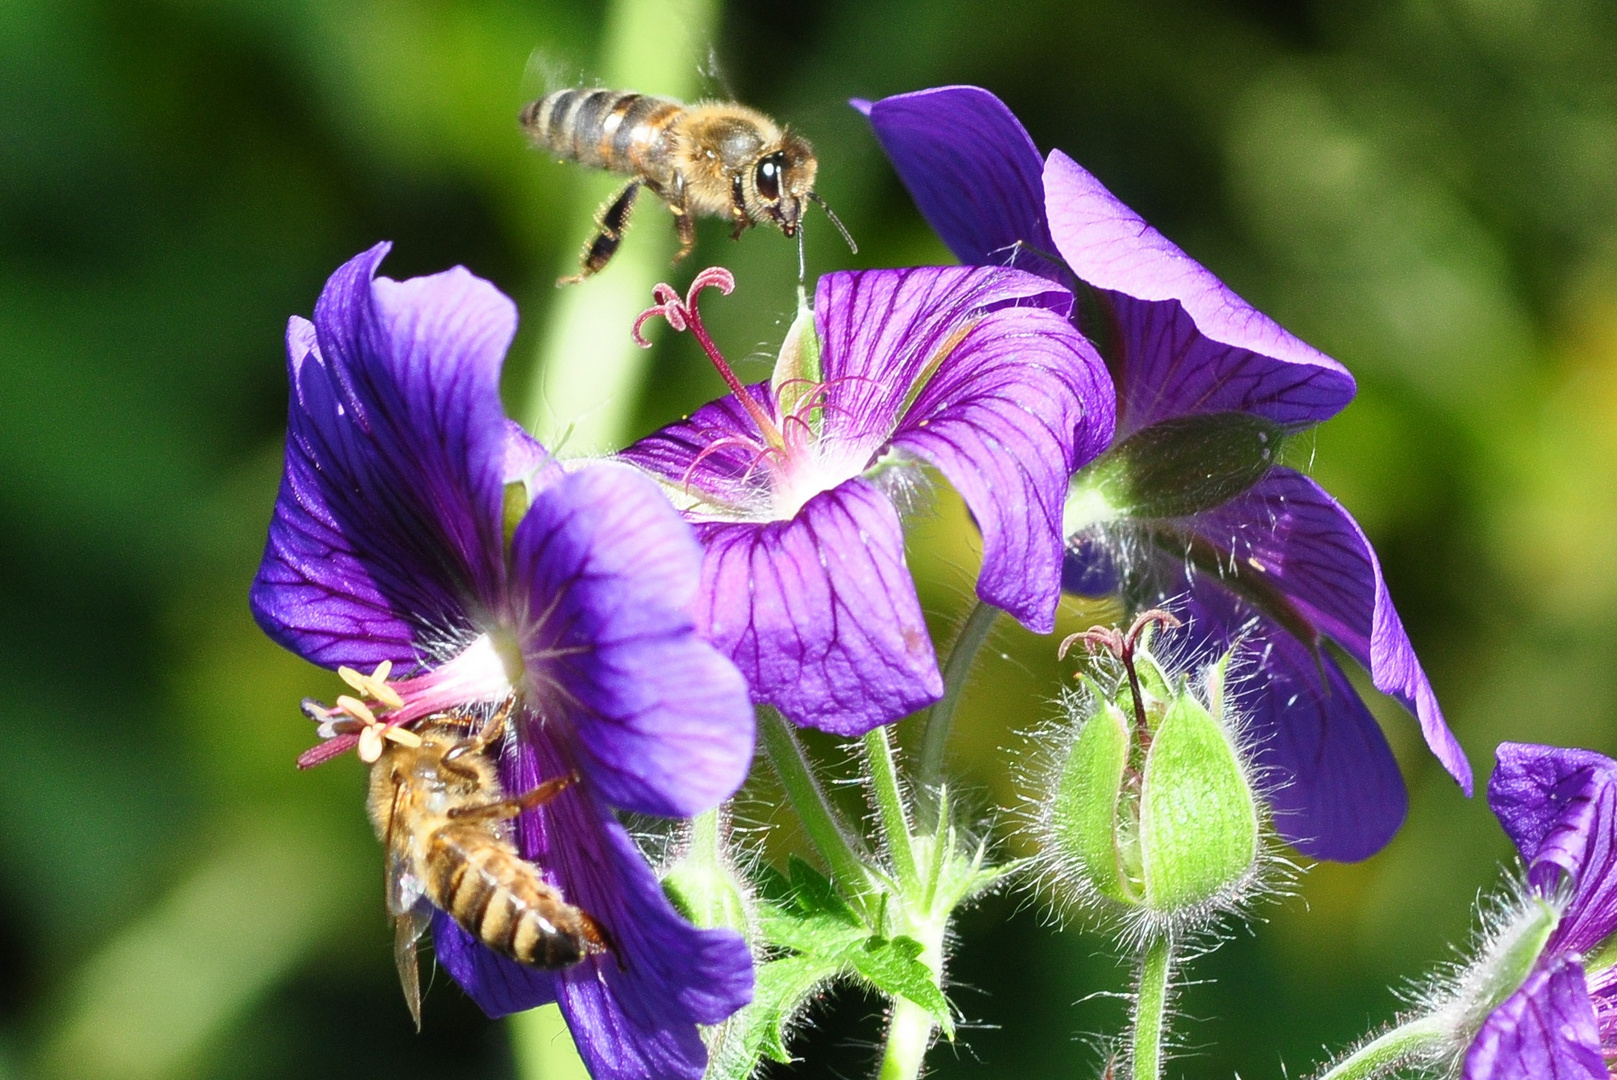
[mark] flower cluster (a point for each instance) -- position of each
(1113, 417)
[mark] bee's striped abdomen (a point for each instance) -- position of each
(609, 129)
(501, 900)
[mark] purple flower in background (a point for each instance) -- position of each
(975, 371)
(1560, 809)
(1188, 507)
(389, 548)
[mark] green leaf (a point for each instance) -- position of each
(814, 893)
(758, 1031)
(893, 966)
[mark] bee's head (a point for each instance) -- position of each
(783, 181)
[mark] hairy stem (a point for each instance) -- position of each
(940, 718)
(814, 810)
(1406, 1043)
(910, 1029)
(909, 1035)
(1150, 1008)
(891, 813)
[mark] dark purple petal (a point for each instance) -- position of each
(820, 613)
(662, 722)
(1186, 343)
(633, 1010)
(973, 172)
(1089, 568)
(388, 520)
(1560, 808)
(1286, 538)
(498, 984)
(994, 396)
(1545, 1030)
(1329, 775)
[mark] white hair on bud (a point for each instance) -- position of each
(1066, 887)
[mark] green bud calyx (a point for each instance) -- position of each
(1151, 805)
(1184, 465)
(1198, 817)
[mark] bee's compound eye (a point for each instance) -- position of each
(767, 179)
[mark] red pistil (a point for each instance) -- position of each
(683, 315)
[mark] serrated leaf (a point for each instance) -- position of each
(893, 966)
(758, 1031)
(815, 894)
(818, 934)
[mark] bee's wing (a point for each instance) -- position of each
(407, 904)
(407, 930)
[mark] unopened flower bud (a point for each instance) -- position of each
(1150, 807)
(704, 885)
(1176, 468)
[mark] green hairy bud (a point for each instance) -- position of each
(1148, 809)
(1175, 468)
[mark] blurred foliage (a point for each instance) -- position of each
(1425, 189)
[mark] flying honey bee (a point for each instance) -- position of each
(714, 159)
(441, 813)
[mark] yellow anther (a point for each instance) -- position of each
(357, 709)
(404, 737)
(370, 744)
(352, 678)
(386, 695)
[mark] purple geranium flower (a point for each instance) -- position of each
(1560, 809)
(1206, 387)
(976, 371)
(389, 548)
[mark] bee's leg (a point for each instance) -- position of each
(686, 227)
(512, 807)
(742, 225)
(609, 226)
(477, 744)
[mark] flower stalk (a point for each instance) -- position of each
(892, 816)
(818, 817)
(1419, 1038)
(956, 669)
(1151, 1007)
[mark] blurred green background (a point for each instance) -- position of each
(1426, 190)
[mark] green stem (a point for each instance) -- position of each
(1150, 1008)
(889, 796)
(1403, 1044)
(909, 1036)
(909, 1032)
(814, 810)
(940, 718)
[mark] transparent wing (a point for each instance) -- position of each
(407, 930)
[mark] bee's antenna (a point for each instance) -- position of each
(853, 247)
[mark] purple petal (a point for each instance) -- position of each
(1545, 1030)
(1286, 538)
(1560, 808)
(633, 1010)
(1187, 344)
(498, 984)
(820, 613)
(1330, 777)
(662, 721)
(973, 172)
(1000, 395)
(388, 520)
(713, 456)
